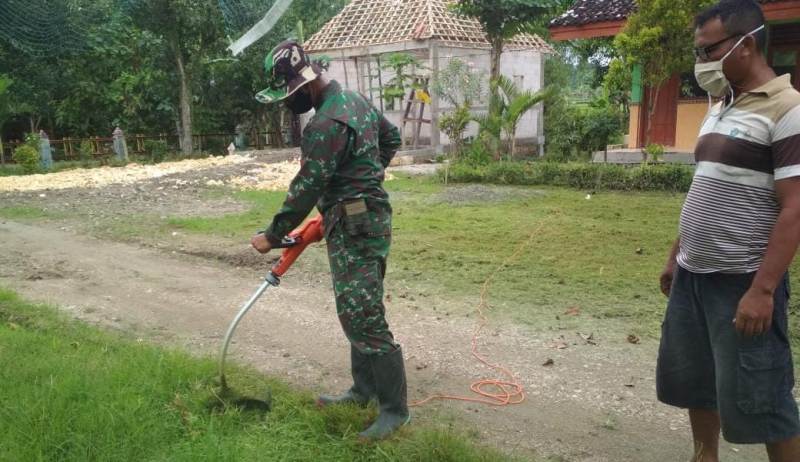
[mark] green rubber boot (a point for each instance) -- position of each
(390, 385)
(363, 389)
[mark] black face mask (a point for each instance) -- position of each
(300, 102)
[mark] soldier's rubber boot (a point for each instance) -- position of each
(363, 389)
(390, 385)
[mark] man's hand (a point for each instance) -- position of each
(666, 279)
(754, 315)
(260, 243)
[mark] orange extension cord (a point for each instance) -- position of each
(500, 392)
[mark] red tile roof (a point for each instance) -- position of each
(584, 12)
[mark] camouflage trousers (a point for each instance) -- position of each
(358, 246)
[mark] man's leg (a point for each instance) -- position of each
(754, 374)
(685, 375)
(705, 431)
(784, 451)
(358, 264)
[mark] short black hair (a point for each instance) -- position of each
(738, 17)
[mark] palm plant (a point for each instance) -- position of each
(507, 105)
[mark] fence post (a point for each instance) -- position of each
(2, 152)
(45, 153)
(120, 146)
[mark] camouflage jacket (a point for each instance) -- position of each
(346, 146)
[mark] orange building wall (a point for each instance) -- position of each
(690, 116)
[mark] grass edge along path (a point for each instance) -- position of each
(74, 392)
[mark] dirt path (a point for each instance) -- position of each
(595, 403)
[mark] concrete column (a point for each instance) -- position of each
(120, 145)
(435, 133)
(540, 109)
(45, 153)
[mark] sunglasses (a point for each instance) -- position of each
(704, 53)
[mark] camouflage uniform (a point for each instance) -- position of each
(345, 149)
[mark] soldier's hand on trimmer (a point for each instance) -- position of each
(261, 243)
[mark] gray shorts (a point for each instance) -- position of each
(703, 363)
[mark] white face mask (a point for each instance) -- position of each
(710, 76)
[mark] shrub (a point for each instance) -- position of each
(27, 157)
(577, 175)
(477, 153)
(654, 152)
(85, 153)
(157, 149)
(454, 124)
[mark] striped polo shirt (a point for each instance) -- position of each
(731, 208)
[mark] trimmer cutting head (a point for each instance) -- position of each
(226, 398)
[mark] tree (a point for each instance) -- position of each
(503, 19)
(658, 39)
(190, 30)
(5, 82)
(121, 68)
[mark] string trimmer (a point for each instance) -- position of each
(293, 246)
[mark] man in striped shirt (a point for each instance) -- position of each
(724, 351)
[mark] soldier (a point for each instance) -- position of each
(345, 147)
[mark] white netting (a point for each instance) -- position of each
(42, 27)
(241, 15)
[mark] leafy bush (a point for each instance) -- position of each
(27, 157)
(33, 140)
(398, 85)
(461, 84)
(600, 124)
(654, 152)
(454, 124)
(216, 146)
(579, 175)
(476, 154)
(85, 153)
(157, 149)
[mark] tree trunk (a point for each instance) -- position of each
(185, 136)
(651, 110)
(497, 51)
(513, 145)
(34, 121)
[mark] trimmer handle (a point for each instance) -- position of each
(297, 241)
(286, 242)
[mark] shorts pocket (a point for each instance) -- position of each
(761, 379)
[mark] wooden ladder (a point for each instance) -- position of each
(415, 105)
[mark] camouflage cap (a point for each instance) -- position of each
(288, 68)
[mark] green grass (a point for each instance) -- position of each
(238, 225)
(24, 213)
(110, 161)
(10, 170)
(602, 255)
(59, 166)
(74, 393)
(583, 253)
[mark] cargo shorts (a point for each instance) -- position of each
(704, 363)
